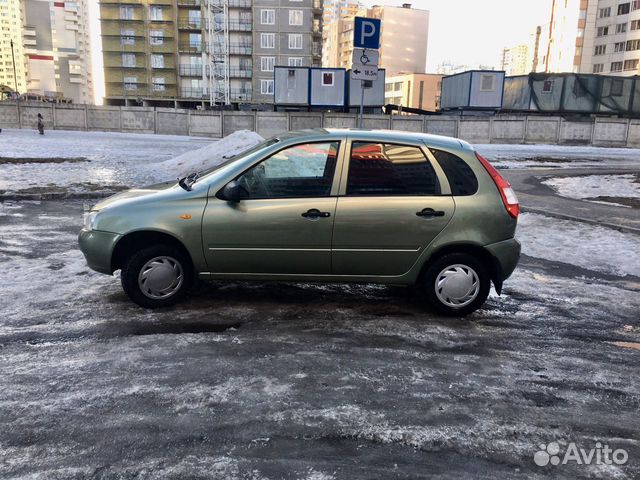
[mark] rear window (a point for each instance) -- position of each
(461, 178)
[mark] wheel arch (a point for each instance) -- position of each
(477, 251)
(144, 238)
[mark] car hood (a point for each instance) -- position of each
(134, 193)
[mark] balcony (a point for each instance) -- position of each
(190, 92)
(240, 94)
(189, 3)
(239, 25)
(240, 72)
(317, 6)
(239, 49)
(233, 3)
(190, 23)
(190, 48)
(164, 47)
(191, 70)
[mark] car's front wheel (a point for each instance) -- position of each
(156, 276)
(456, 284)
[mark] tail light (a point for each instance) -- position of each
(509, 197)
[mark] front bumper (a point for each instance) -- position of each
(97, 248)
(507, 255)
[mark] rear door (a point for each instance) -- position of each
(393, 202)
(285, 225)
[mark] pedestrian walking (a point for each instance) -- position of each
(40, 124)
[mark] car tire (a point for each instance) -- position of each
(456, 284)
(157, 276)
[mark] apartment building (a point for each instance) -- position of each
(56, 49)
(415, 90)
(188, 52)
(405, 33)
(517, 60)
(611, 37)
(335, 13)
(557, 44)
(11, 31)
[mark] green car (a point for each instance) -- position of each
(319, 205)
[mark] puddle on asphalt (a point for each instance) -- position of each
(186, 327)
(19, 160)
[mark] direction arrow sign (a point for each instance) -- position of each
(365, 57)
(361, 72)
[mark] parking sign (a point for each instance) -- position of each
(366, 33)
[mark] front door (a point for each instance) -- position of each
(391, 210)
(285, 224)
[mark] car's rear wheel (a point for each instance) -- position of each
(456, 284)
(156, 276)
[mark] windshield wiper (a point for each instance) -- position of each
(188, 181)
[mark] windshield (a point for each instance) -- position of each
(260, 146)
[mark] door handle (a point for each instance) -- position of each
(430, 212)
(315, 213)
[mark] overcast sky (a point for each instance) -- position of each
(475, 31)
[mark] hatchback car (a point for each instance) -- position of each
(319, 205)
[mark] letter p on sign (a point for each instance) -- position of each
(366, 33)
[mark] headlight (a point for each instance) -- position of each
(90, 220)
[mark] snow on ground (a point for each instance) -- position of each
(593, 186)
(588, 246)
(556, 156)
(210, 155)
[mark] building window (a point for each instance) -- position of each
(618, 47)
(158, 84)
(157, 61)
(635, 24)
(295, 41)
(547, 86)
(633, 45)
(155, 13)
(624, 8)
(621, 28)
(295, 61)
(630, 65)
(604, 12)
(130, 83)
(598, 68)
(128, 60)
(397, 86)
(156, 37)
(487, 83)
(267, 16)
(295, 17)
(268, 40)
(600, 50)
(126, 12)
(635, 5)
(616, 66)
(602, 31)
(267, 64)
(266, 87)
(327, 79)
(127, 37)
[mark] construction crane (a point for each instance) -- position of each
(217, 51)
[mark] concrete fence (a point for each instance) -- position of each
(598, 131)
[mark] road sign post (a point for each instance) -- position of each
(364, 64)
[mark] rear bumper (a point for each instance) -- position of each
(507, 255)
(97, 248)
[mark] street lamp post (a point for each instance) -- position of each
(15, 77)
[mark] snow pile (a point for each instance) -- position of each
(210, 155)
(592, 186)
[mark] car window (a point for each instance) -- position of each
(304, 170)
(390, 169)
(461, 178)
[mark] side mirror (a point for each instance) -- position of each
(233, 192)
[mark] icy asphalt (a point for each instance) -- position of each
(319, 381)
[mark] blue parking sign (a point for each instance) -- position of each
(366, 33)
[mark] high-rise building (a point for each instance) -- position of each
(405, 32)
(558, 43)
(517, 60)
(204, 51)
(335, 13)
(415, 90)
(57, 48)
(11, 31)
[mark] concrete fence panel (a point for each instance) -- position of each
(269, 124)
(103, 118)
(376, 122)
(205, 124)
(610, 132)
(542, 130)
(441, 126)
(407, 123)
(70, 117)
(576, 133)
(475, 130)
(170, 121)
(9, 117)
(137, 119)
(29, 115)
(340, 120)
(234, 121)
(633, 137)
(508, 130)
(301, 121)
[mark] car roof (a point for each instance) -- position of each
(379, 135)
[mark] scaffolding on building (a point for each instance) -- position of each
(217, 52)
